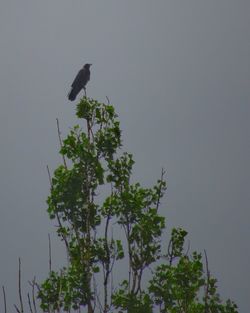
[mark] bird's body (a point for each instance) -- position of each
(79, 82)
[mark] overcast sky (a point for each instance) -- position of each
(178, 73)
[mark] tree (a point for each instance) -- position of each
(94, 200)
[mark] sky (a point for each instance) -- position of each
(178, 73)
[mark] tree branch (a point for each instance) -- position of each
(17, 309)
(60, 140)
(19, 285)
(160, 190)
(4, 299)
(49, 253)
(207, 284)
(33, 284)
(30, 303)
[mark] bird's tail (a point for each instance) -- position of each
(72, 95)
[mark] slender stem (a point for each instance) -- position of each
(32, 284)
(4, 299)
(160, 190)
(50, 267)
(18, 311)
(127, 233)
(108, 100)
(33, 294)
(87, 262)
(60, 140)
(207, 283)
(107, 265)
(30, 303)
(50, 180)
(170, 252)
(19, 285)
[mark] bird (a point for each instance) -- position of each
(80, 82)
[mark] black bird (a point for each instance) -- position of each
(79, 82)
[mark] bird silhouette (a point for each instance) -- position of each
(80, 82)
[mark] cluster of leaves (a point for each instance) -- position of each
(93, 158)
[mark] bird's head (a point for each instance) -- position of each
(87, 66)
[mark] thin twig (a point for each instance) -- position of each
(49, 253)
(17, 309)
(50, 180)
(19, 285)
(188, 248)
(114, 257)
(33, 284)
(207, 284)
(107, 264)
(170, 252)
(30, 303)
(88, 129)
(4, 299)
(108, 99)
(34, 299)
(60, 140)
(160, 189)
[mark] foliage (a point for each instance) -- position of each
(91, 225)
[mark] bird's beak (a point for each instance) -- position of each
(90, 64)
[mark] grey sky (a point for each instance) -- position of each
(178, 73)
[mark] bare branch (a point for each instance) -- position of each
(50, 180)
(4, 299)
(30, 303)
(19, 285)
(17, 309)
(207, 284)
(33, 284)
(188, 248)
(49, 253)
(108, 99)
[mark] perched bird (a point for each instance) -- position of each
(79, 82)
